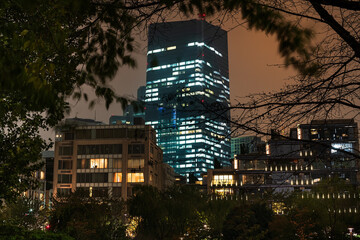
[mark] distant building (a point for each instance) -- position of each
(44, 191)
(82, 121)
(246, 145)
(188, 95)
(131, 115)
(312, 152)
(108, 159)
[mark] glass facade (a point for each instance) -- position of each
(245, 145)
(187, 94)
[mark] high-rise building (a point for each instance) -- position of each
(187, 94)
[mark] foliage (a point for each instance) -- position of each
(20, 147)
(84, 217)
(49, 50)
(172, 214)
(9, 232)
(248, 222)
(332, 203)
(325, 212)
(281, 228)
(216, 212)
(179, 212)
(24, 212)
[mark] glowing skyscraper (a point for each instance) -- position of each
(187, 94)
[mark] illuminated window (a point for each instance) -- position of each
(98, 163)
(42, 175)
(267, 147)
(341, 146)
(117, 177)
(235, 164)
(224, 191)
(135, 177)
(135, 163)
(223, 179)
(313, 131)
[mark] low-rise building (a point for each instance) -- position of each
(296, 162)
(107, 159)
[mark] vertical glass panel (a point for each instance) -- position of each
(135, 177)
(117, 177)
(98, 163)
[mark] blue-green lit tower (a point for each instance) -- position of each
(187, 94)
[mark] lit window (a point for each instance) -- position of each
(223, 179)
(267, 147)
(98, 163)
(223, 191)
(341, 146)
(135, 177)
(42, 175)
(117, 177)
(313, 131)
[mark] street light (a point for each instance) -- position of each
(351, 232)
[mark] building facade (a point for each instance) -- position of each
(187, 94)
(44, 176)
(246, 145)
(106, 159)
(311, 153)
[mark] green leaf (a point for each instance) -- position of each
(24, 32)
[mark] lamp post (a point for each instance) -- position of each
(351, 232)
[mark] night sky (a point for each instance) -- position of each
(252, 61)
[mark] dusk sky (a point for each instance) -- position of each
(252, 56)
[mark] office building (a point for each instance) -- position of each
(44, 176)
(187, 94)
(132, 114)
(312, 152)
(107, 159)
(246, 145)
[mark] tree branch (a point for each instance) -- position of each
(349, 5)
(343, 33)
